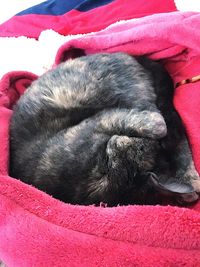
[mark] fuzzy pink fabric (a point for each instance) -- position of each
(37, 230)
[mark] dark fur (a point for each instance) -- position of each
(102, 128)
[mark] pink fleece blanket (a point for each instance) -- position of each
(37, 230)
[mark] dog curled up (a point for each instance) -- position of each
(102, 128)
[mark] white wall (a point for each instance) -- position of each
(10, 7)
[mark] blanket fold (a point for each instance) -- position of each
(13, 84)
(37, 230)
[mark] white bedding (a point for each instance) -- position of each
(10, 7)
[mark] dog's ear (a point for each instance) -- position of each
(182, 192)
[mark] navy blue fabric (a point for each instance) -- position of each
(60, 7)
(90, 4)
(52, 7)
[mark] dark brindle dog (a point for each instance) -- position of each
(102, 128)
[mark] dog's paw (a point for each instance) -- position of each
(118, 144)
(149, 124)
